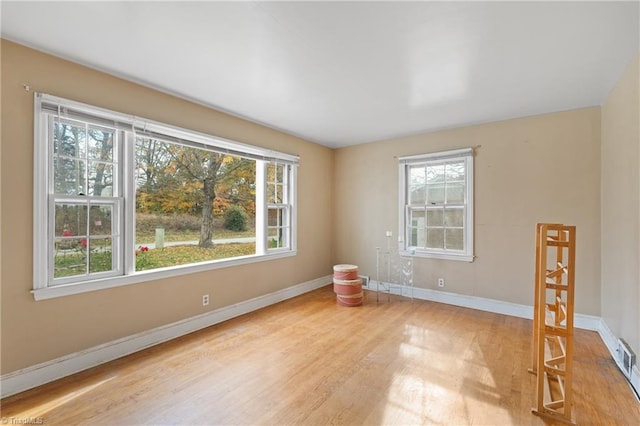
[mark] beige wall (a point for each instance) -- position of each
(536, 169)
(33, 332)
(621, 207)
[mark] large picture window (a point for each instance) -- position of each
(119, 199)
(436, 205)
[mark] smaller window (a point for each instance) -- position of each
(436, 205)
(278, 206)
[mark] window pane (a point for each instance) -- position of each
(272, 233)
(455, 239)
(416, 176)
(279, 173)
(101, 144)
(417, 195)
(100, 253)
(435, 194)
(70, 257)
(69, 140)
(277, 216)
(271, 193)
(455, 171)
(455, 193)
(435, 174)
(69, 176)
(454, 217)
(100, 179)
(434, 217)
(70, 220)
(274, 217)
(417, 218)
(435, 238)
(100, 219)
(192, 205)
(417, 237)
(274, 238)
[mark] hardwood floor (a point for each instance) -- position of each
(308, 361)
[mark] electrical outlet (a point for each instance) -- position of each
(205, 300)
(440, 282)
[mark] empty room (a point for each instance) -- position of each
(269, 213)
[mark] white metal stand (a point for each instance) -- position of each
(392, 269)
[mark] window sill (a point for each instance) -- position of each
(156, 274)
(442, 256)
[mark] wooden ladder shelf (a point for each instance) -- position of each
(552, 357)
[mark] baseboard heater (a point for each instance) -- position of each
(626, 358)
(365, 280)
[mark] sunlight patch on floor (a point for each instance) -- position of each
(41, 410)
(409, 400)
(427, 390)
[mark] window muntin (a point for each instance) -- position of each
(436, 205)
(87, 179)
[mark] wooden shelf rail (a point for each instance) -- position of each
(552, 356)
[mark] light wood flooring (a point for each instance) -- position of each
(308, 361)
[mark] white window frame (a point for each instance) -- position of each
(127, 126)
(404, 208)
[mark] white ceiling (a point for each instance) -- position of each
(344, 73)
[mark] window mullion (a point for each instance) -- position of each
(87, 236)
(127, 239)
(50, 240)
(285, 183)
(444, 221)
(403, 208)
(261, 207)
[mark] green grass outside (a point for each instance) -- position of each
(73, 262)
(182, 255)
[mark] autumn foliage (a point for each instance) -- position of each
(174, 179)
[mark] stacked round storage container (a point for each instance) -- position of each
(347, 285)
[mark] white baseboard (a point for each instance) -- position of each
(49, 371)
(586, 322)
